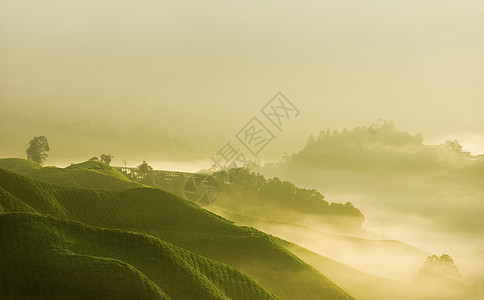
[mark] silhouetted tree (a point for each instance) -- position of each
(38, 147)
(106, 158)
(145, 170)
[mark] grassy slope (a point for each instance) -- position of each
(106, 263)
(89, 174)
(177, 221)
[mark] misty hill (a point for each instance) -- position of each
(378, 147)
(170, 219)
(89, 174)
(383, 257)
(83, 139)
(253, 195)
(430, 194)
(470, 175)
(393, 171)
(245, 192)
(395, 256)
(368, 287)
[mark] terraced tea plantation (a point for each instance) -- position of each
(59, 241)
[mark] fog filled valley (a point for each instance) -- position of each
(326, 150)
(427, 195)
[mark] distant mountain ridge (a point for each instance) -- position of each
(393, 171)
(81, 138)
(374, 147)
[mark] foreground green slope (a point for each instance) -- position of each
(89, 174)
(178, 221)
(47, 257)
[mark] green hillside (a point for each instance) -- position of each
(170, 219)
(47, 257)
(248, 192)
(89, 174)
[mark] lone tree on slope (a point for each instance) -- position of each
(106, 158)
(435, 267)
(37, 149)
(145, 170)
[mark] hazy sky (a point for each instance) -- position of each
(202, 69)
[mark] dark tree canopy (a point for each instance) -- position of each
(38, 147)
(106, 158)
(145, 172)
(145, 168)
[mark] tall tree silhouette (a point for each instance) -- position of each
(38, 147)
